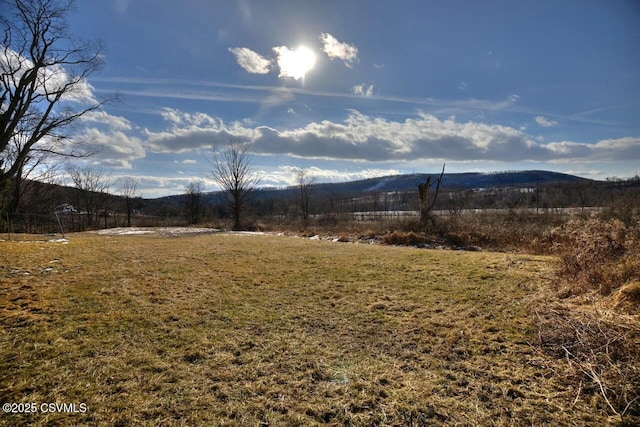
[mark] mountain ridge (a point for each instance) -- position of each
(455, 181)
(409, 182)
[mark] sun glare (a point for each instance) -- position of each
(296, 63)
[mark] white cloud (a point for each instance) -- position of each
(115, 148)
(363, 138)
(159, 186)
(545, 122)
(170, 115)
(190, 131)
(462, 86)
(106, 119)
(362, 89)
(287, 175)
(50, 79)
(251, 61)
(336, 49)
(110, 137)
(332, 175)
(294, 63)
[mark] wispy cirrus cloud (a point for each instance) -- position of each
(201, 90)
(337, 49)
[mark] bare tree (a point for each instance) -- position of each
(43, 87)
(32, 167)
(34, 194)
(304, 184)
(232, 170)
(92, 184)
(428, 201)
(194, 201)
(128, 188)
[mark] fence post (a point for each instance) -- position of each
(8, 227)
(59, 224)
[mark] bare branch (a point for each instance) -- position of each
(128, 188)
(43, 86)
(92, 183)
(304, 184)
(426, 202)
(232, 170)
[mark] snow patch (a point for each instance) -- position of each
(171, 231)
(63, 241)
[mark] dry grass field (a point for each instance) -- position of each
(228, 329)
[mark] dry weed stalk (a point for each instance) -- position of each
(597, 255)
(598, 258)
(603, 356)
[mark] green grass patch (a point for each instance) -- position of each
(264, 330)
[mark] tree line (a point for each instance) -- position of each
(44, 92)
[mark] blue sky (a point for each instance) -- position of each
(378, 88)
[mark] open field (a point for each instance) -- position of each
(224, 329)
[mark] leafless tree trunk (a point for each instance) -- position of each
(427, 201)
(127, 188)
(92, 184)
(232, 170)
(194, 201)
(43, 87)
(34, 166)
(304, 184)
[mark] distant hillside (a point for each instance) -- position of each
(387, 193)
(451, 181)
(410, 182)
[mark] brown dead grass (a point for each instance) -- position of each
(596, 324)
(597, 255)
(263, 330)
(409, 238)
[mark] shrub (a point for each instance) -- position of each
(623, 208)
(597, 255)
(404, 238)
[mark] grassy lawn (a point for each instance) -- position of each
(265, 330)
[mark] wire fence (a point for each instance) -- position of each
(30, 224)
(20, 226)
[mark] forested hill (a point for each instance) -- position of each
(451, 181)
(410, 182)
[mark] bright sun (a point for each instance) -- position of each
(295, 63)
